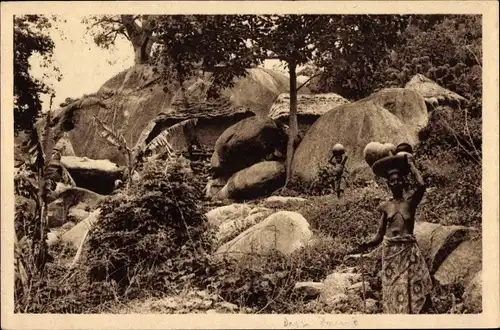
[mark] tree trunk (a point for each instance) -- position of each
(293, 130)
(140, 38)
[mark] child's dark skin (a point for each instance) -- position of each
(338, 161)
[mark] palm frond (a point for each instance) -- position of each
(67, 178)
(113, 137)
(45, 140)
(160, 142)
(141, 141)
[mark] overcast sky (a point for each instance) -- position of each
(84, 66)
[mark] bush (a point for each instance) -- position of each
(449, 155)
(155, 232)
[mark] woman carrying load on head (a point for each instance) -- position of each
(406, 282)
(338, 160)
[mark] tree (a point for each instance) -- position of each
(361, 45)
(31, 36)
(195, 45)
(294, 40)
(227, 45)
(448, 51)
(138, 29)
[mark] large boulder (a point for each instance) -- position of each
(246, 143)
(473, 295)
(462, 264)
(436, 242)
(257, 180)
(391, 115)
(283, 231)
(98, 175)
(133, 98)
(71, 204)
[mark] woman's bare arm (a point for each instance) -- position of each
(380, 232)
(344, 160)
(331, 160)
(417, 196)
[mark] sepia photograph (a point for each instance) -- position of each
(248, 163)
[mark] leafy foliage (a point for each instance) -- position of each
(157, 227)
(31, 36)
(138, 29)
(217, 44)
(378, 51)
(160, 142)
(351, 60)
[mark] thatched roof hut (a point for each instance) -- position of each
(134, 97)
(432, 92)
(307, 104)
(309, 107)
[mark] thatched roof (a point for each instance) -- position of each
(392, 115)
(431, 91)
(213, 109)
(307, 104)
(134, 97)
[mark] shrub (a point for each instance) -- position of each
(156, 233)
(449, 155)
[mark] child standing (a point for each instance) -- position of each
(338, 160)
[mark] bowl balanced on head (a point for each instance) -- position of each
(406, 282)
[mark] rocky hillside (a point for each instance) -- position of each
(392, 115)
(136, 96)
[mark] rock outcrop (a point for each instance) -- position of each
(257, 180)
(462, 264)
(473, 295)
(282, 231)
(248, 142)
(436, 242)
(98, 175)
(392, 115)
(134, 97)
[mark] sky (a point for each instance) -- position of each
(86, 67)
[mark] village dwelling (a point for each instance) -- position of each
(309, 108)
(210, 120)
